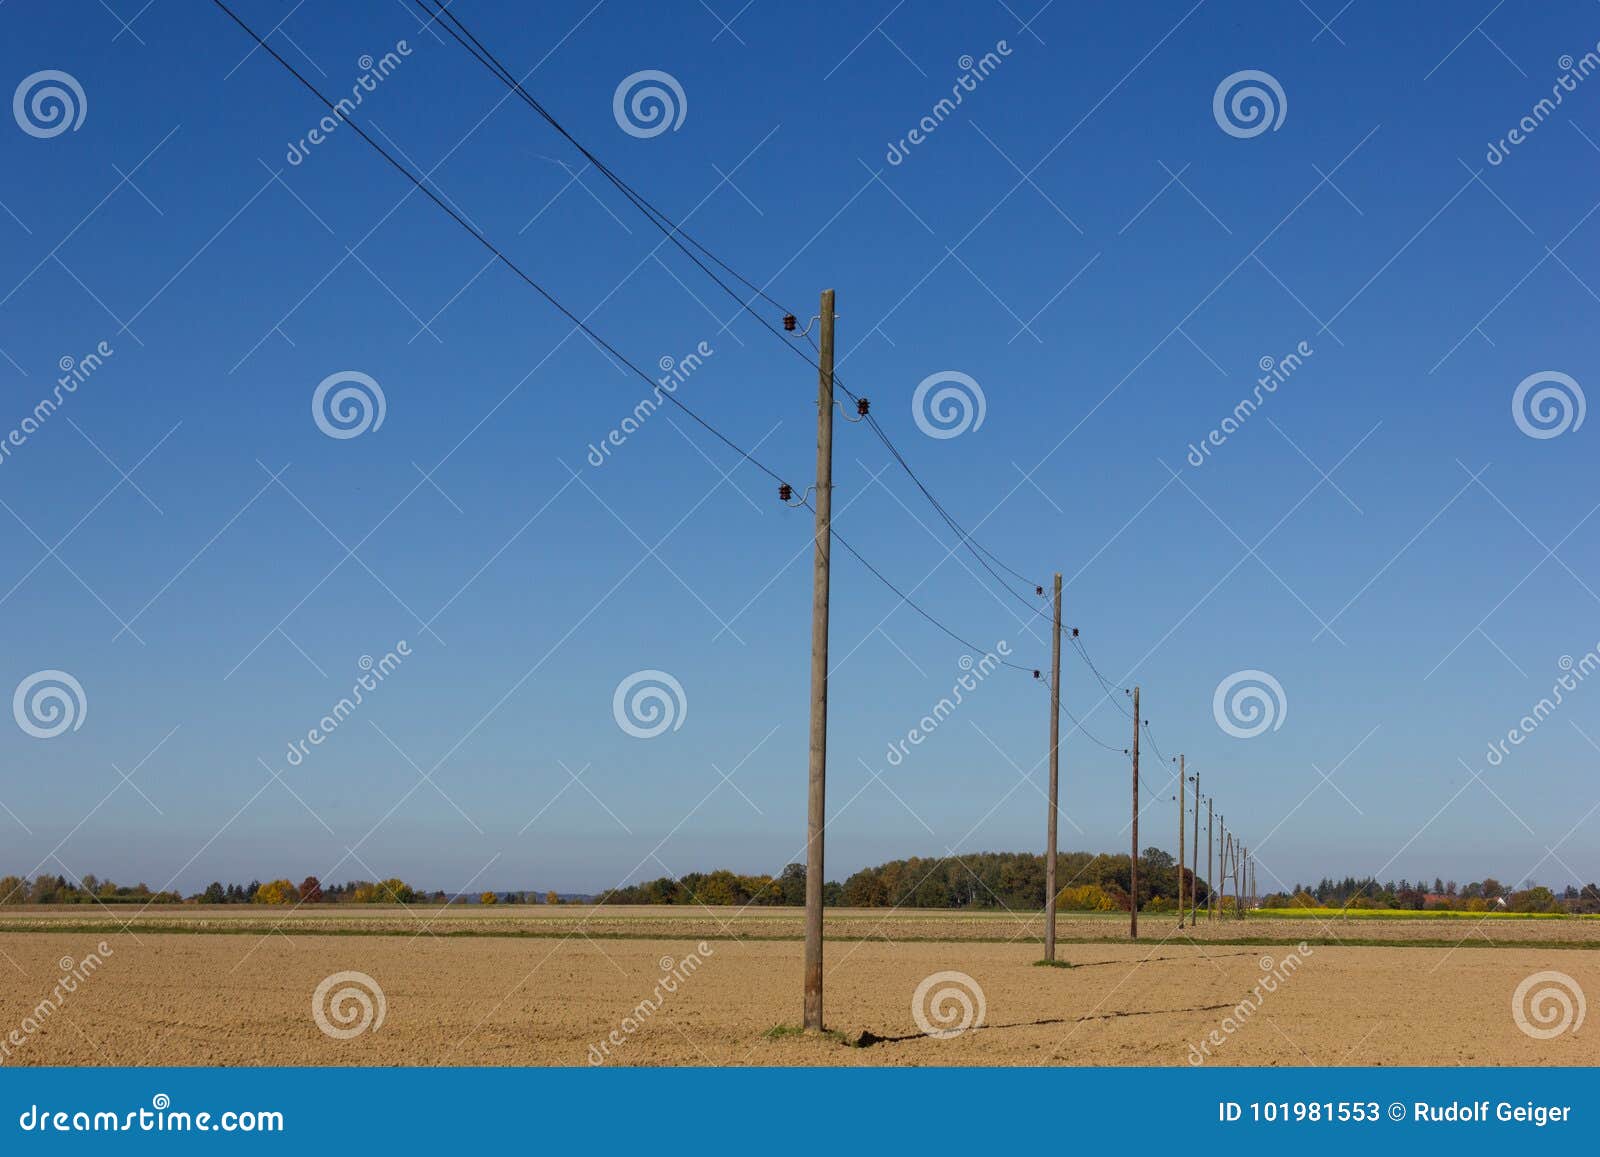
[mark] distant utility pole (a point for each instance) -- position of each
(816, 794)
(1211, 879)
(1055, 779)
(1183, 791)
(1133, 862)
(1249, 868)
(1222, 865)
(1240, 873)
(1238, 896)
(1194, 854)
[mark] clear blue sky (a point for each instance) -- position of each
(1080, 236)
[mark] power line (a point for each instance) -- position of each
(577, 322)
(677, 234)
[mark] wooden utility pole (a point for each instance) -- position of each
(1055, 779)
(1211, 879)
(1194, 855)
(1133, 862)
(1238, 897)
(816, 793)
(1183, 791)
(1242, 889)
(1222, 866)
(1249, 880)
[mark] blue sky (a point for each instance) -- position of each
(1080, 236)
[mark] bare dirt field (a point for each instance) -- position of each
(549, 992)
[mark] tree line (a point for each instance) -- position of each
(1087, 882)
(1487, 895)
(47, 889)
(997, 880)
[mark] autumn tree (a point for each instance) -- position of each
(277, 892)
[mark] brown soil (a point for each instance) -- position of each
(199, 999)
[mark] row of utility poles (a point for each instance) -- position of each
(1234, 857)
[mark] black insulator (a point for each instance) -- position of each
(788, 322)
(785, 491)
(1074, 632)
(1036, 673)
(862, 405)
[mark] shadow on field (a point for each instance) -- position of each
(869, 1038)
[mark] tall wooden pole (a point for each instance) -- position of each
(1055, 779)
(1133, 861)
(1194, 854)
(1242, 884)
(1211, 879)
(816, 794)
(1183, 792)
(1238, 876)
(1222, 873)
